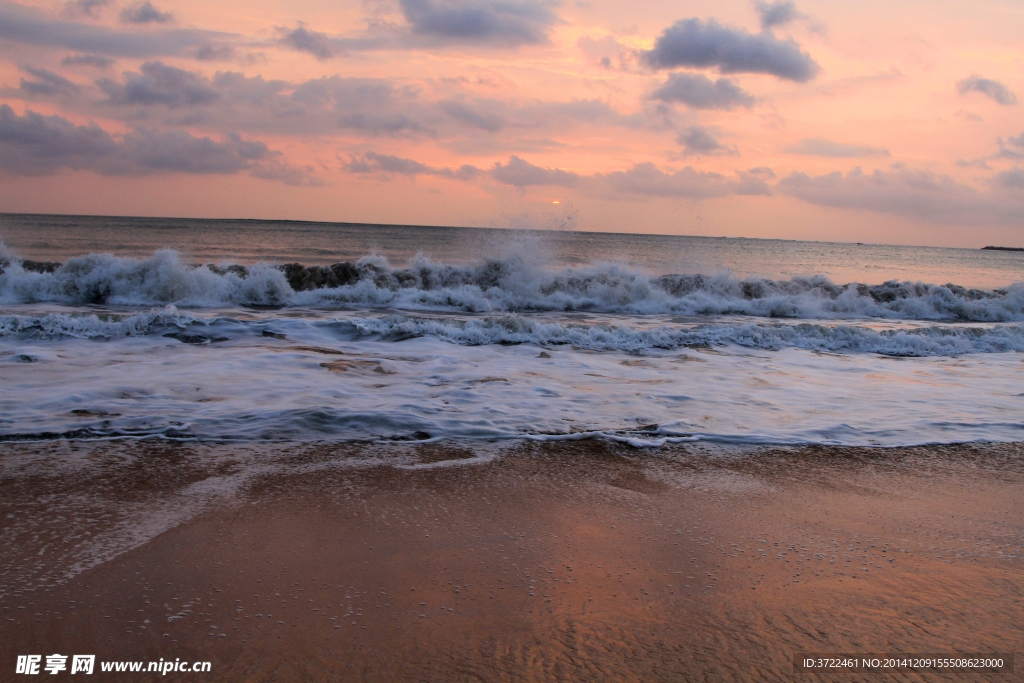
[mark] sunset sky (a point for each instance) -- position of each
(897, 122)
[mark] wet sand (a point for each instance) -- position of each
(532, 562)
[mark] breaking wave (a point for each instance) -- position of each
(511, 284)
(933, 340)
(928, 341)
(92, 326)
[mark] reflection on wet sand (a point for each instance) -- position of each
(571, 561)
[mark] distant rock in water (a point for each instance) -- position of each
(240, 271)
(303, 278)
(1004, 248)
(194, 338)
(41, 266)
(33, 266)
(306, 278)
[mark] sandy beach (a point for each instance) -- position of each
(526, 562)
(511, 341)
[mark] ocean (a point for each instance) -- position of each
(329, 452)
(204, 330)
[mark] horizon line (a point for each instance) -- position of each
(477, 227)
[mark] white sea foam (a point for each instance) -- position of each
(509, 284)
(158, 280)
(353, 379)
(91, 325)
(919, 340)
(504, 349)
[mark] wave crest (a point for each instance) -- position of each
(511, 284)
(56, 325)
(927, 341)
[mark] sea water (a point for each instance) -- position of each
(203, 330)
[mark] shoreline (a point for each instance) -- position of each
(550, 561)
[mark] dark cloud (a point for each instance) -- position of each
(341, 91)
(159, 94)
(28, 26)
(315, 43)
(906, 192)
(374, 106)
(700, 92)
(371, 162)
(503, 22)
(379, 125)
(457, 110)
(986, 86)
(693, 43)
(47, 83)
(838, 150)
(34, 144)
(696, 140)
(1014, 178)
(238, 87)
(215, 53)
(323, 46)
(776, 13)
(648, 179)
(87, 60)
(522, 173)
(86, 8)
(145, 13)
(1004, 152)
(276, 168)
(974, 163)
(642, 179)
(158, 83)
(232, 100)
(182, 152)
(752, 182)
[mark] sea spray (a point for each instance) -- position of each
(510, 284)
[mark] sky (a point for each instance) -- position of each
(896, 122)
